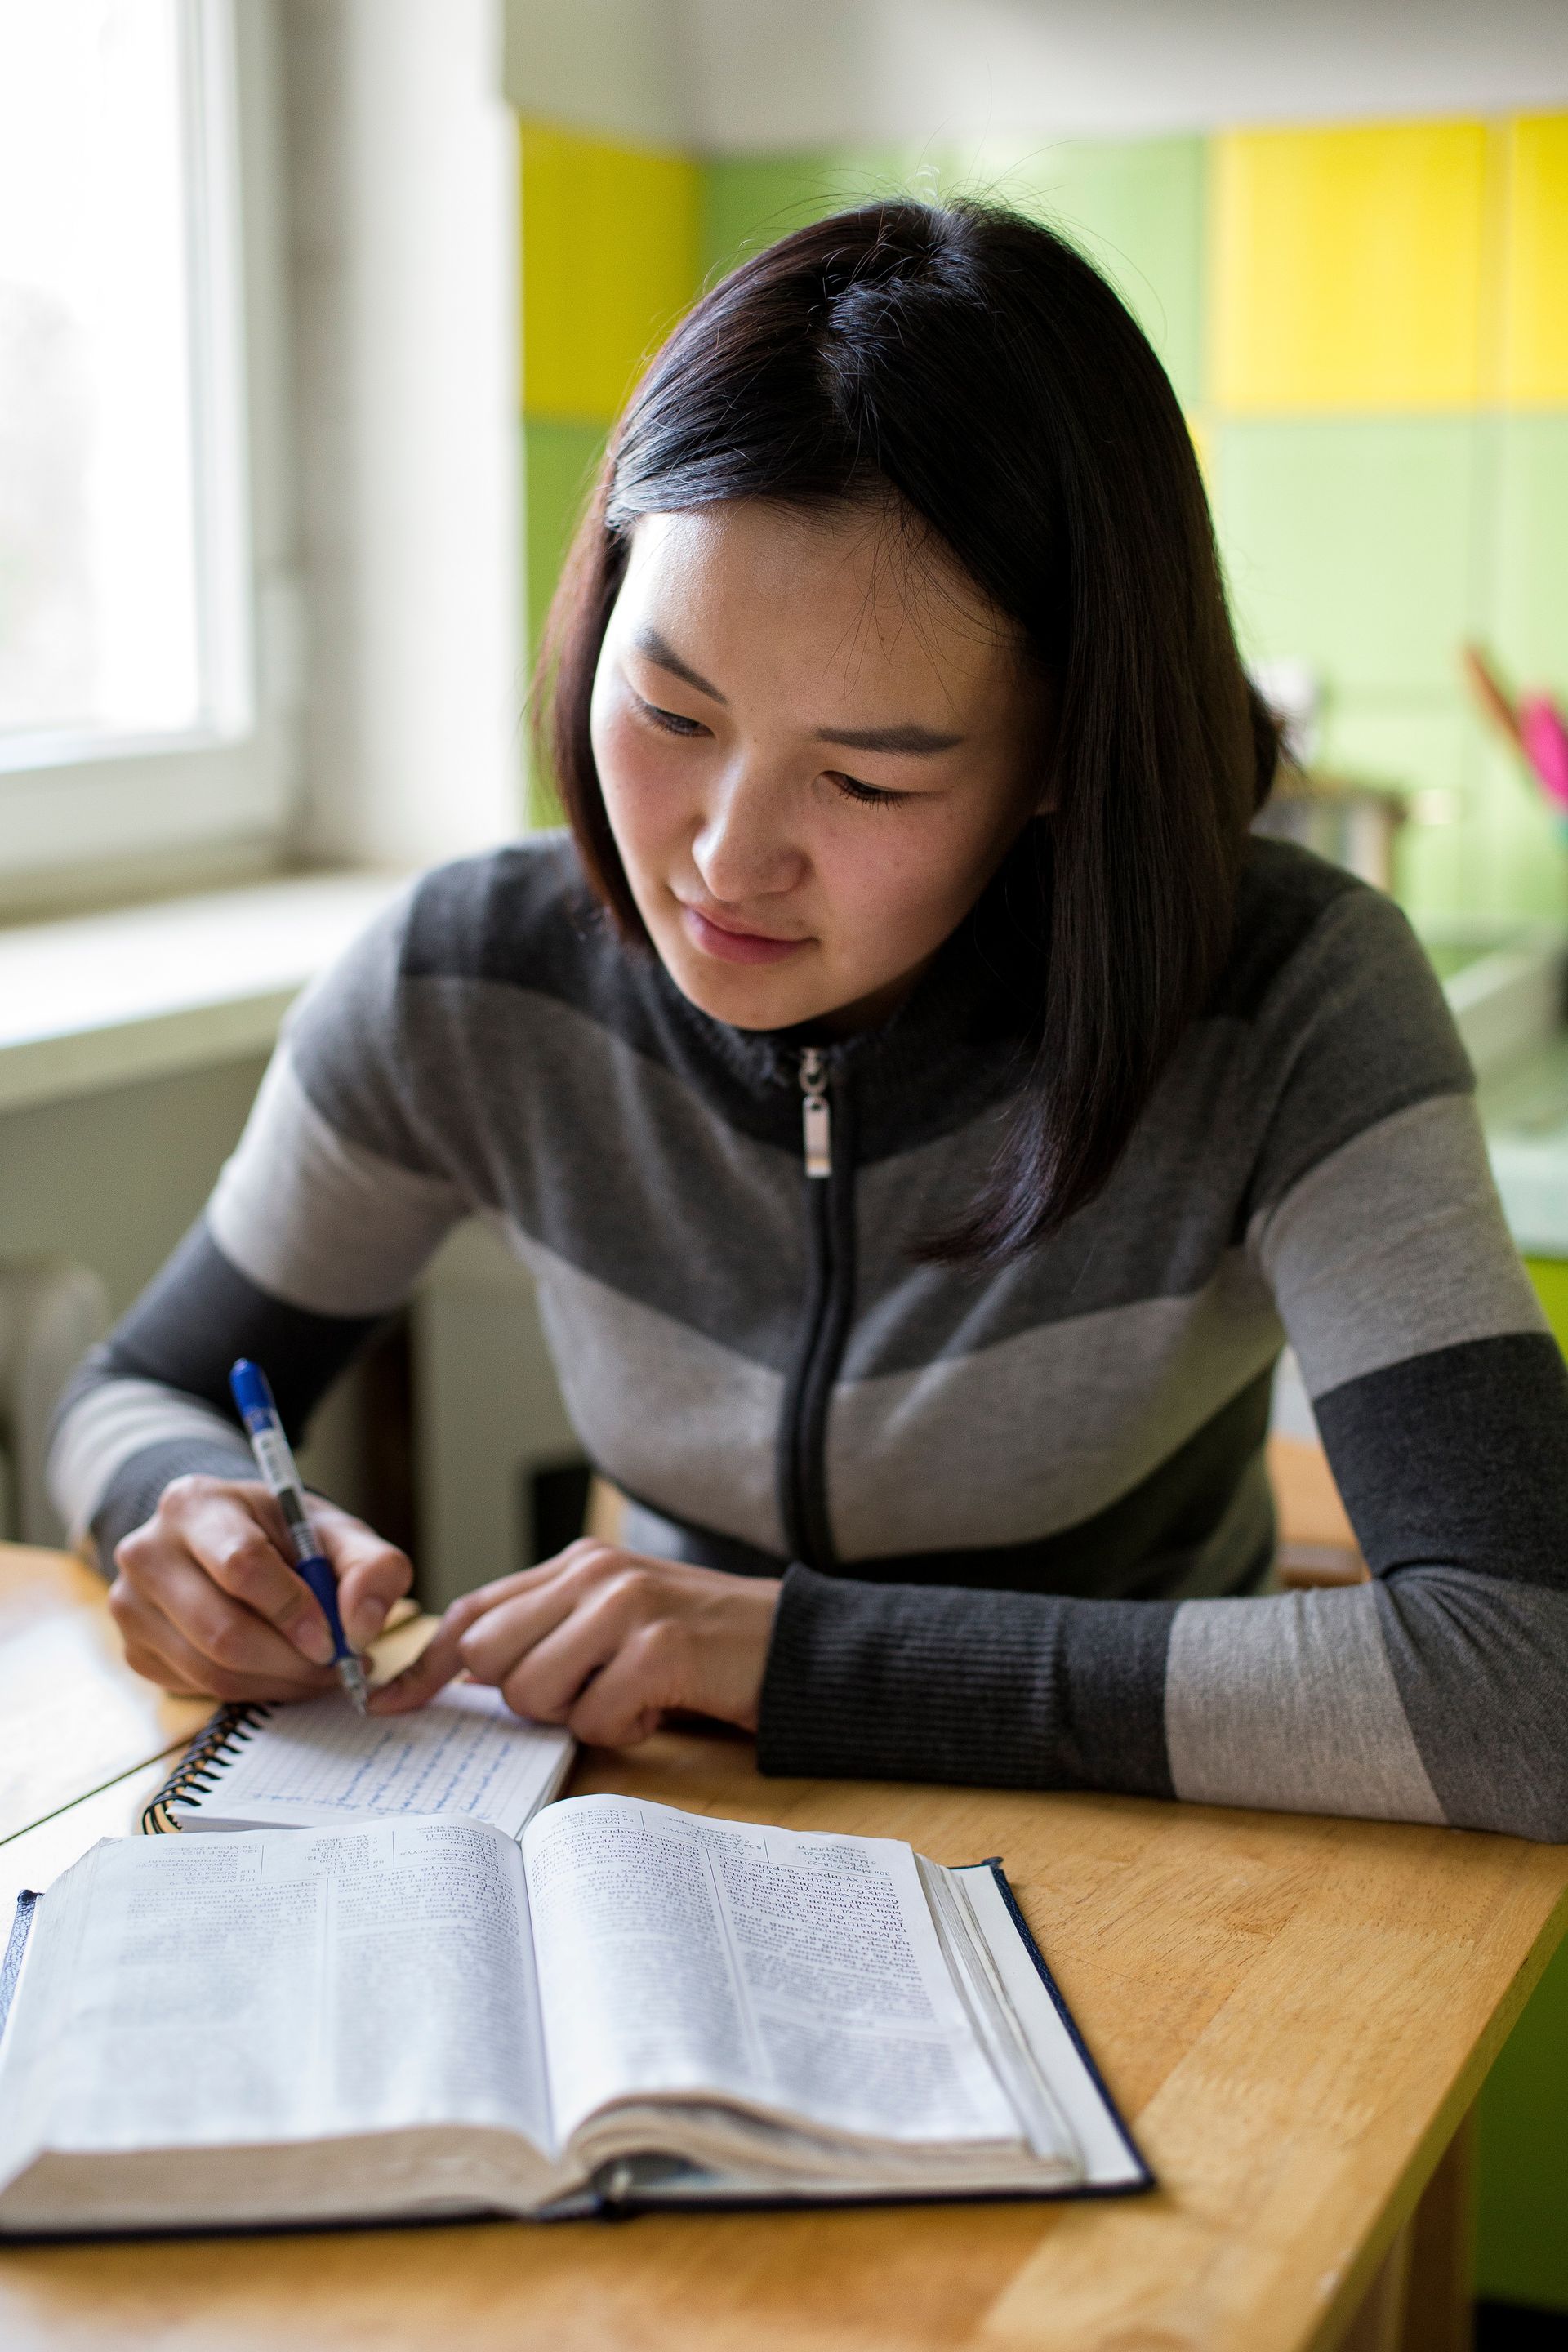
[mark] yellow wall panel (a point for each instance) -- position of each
(1346, 268)
(610, 242)
(1535, 298)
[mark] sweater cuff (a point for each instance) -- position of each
(900, 1681)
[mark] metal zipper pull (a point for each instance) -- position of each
(816, 1119)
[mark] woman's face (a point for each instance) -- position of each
(815, 747)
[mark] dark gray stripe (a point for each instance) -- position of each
(1458, 1458)
(1470, 1657)
(882, 1682)
(200, 1312)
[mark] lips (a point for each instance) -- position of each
(730, 944)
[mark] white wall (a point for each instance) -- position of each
(403, 208)
(738, 76)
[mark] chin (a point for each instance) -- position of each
(741, 999)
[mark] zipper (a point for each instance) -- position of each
(816, 1116)
(828, 1151)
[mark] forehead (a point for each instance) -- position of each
(757, 595)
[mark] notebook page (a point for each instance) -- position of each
(314, 1763)
(194, 1992)
(677, 1954)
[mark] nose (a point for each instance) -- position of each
(742, 846)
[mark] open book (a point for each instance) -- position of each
(634, 2007)
(315, 1763)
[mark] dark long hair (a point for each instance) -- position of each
(966, 363)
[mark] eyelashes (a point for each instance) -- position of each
(865, 795)
(671, 722)
(849, 788)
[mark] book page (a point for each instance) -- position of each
(679, 1955)
(186, 1991)
(464, 1753)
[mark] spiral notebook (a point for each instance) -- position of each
(320, 1763)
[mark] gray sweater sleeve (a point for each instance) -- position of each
(1437, 1692)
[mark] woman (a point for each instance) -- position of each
(925, 1110)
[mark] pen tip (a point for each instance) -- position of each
(350, 1673)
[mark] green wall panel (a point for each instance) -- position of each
(1527, 590)
(1526, 870)
(1521, 2172)
(558, 466)
(1521, 2203)
(558, 461)
(1350, 543)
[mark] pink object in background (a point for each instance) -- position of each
(1544, 739)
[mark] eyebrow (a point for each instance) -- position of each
(662, 654)
(908, 738)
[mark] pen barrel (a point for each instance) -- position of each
(318, 1574)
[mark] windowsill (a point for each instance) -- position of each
(100, 1000)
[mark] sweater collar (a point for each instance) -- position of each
(981, 992)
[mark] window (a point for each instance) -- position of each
(128, 714)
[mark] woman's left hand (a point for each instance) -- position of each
(604, 1641)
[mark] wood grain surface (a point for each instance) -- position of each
(72, 1713)
(1294, 2013)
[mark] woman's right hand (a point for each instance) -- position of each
(209, 1604)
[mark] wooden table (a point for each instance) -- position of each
(1294, 2013)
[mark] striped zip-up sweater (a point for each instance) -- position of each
(1023, 1513)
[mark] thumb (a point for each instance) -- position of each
(371, 1573)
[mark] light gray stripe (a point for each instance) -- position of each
(662, 1410)
(111, 1424)
(1043, 1430)
(1395, 1245)
(318, 1222)
(610, 1160)
(1477, 1660)
(1158, 1230)
(1289, 1702)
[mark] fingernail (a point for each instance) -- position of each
(314, 1640)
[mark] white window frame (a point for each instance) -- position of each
(73, 804)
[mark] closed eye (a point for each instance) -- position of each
(865, 795)
(673, 722)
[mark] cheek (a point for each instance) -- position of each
(904, 885)
(643, 784)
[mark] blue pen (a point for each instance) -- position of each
(276, 1463)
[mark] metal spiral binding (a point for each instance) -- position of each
(198, 1769)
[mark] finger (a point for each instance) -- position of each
(499, 1639)
(626, 1703)
(157, 1649)
(225, 1632)
(549, 1587)
(242, 1554)
(371, 1573)
(548, 1678)
(437, 1662)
